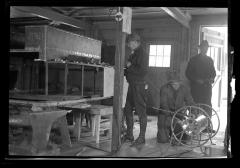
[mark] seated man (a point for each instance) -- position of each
(173, 95)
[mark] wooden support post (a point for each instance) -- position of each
(46, 78)
(65, 79)
(37, 75)
(118, 88)
(94, 81)
(82, 79)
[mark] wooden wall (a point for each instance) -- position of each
(158, 30)
(165, 29)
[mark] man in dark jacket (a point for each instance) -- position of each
(201, 73)
(136, 70)
(173, 96)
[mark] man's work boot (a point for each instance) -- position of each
(138, 141)
(127, 138)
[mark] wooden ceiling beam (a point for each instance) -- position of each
(178, 15)
(51, 15)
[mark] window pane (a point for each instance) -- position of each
(159, 61)
(212, 53)
(151, 61)
(216, 52)
(160, 50)
(166, 61)
(152, 49)
(167, 50)
(160, 55)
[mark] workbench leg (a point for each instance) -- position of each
(93, 124)
(97, 131)
(110, 125)
(78, 126)
(90, 121)
(41, 132)
(41, 127)
(63, 126)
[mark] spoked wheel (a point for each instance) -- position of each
(187, 125)
(214, 118)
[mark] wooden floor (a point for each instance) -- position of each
(87, 147)
(151, 149)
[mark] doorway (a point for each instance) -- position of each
(217, 36)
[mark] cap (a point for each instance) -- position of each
(133, 37)
(172, 75)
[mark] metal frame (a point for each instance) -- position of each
(197, 139)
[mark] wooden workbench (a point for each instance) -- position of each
(40, 111)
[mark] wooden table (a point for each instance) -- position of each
(41, 123)
(96, 112)
(41, 114)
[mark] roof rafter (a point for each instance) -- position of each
(48, 14)
(178, 15)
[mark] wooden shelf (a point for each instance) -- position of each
(75, 63)
(21, 50)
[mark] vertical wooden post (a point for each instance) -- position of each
(118, 88)
(46, 78)
(37, 76)
(65, 79)
(82, 79)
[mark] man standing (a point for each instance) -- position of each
(201, 73)
(136, 70)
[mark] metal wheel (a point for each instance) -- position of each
(187, 125)
(214, 118)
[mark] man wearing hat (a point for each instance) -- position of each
(136, 70)
(173, 96)
(201, 73)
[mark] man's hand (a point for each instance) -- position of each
(129, 64)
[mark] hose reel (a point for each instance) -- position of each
(189, 122)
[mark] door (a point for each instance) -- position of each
(216, 52)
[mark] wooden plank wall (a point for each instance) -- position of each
(162, 29)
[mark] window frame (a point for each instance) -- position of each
(161, 43)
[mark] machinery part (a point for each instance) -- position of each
(118, 16)
(187, 125)
(214, 118)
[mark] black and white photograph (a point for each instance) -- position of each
(119, 82)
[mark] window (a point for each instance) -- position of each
(159, 55)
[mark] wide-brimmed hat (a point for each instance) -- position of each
(204, 43)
